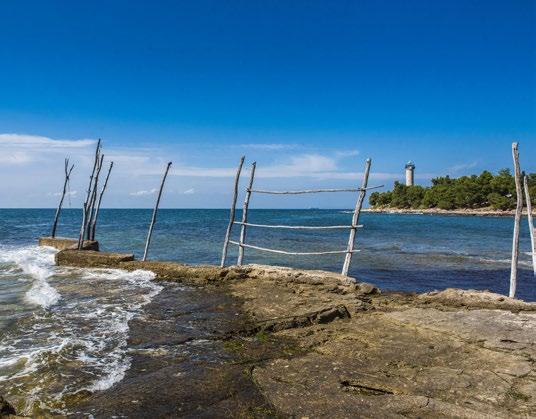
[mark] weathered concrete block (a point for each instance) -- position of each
(91, 259)
(63, 243)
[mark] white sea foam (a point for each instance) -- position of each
(37, 263)
(87, 328)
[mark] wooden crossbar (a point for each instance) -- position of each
(313, 190)
(298, 227)
(264, 249)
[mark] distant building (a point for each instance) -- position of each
(410, 169)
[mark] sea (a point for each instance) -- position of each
(64, 331)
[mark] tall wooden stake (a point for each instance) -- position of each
(153, 220)
(517, 221)
(245, 215)
(88, 197)
(531, 223)
(232, 214)
(65, 183)
(355, 219)
(93, 200)
(95, 217)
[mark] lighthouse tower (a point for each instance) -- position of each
(410, 169)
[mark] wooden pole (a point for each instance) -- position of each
(88, 196)
(517, 221)
(65, 183)
(153, 220)
(245, 215)
(355, 219)
(531, 223)
(95, 217)
(93, 201)
(232, 213)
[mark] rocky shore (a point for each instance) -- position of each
(481, 212)
(263, 341)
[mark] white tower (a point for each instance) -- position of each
(410, 168)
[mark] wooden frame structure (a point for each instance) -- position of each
(348, 252)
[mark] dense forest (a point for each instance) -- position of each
(467, 192)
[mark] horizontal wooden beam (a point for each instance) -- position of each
(312, 190)
(299, 227)
(283, 252)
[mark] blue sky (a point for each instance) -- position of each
(308, 89)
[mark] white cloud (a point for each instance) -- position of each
(20, 149)
(143, 192)
(299, 166)
(23, 140)
(269, 147)
(189, 191)
(346, 153)
(14, 157)
(69, 193)
(463, 166)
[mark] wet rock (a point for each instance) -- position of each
(62, 243)
(91, 259)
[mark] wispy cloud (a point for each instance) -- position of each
(144, 192)
(24, 140)
(463, 166)
(14, 157)
(346, 153)
(189, 191)
(68, 193)
(269, 147)
(21, 149)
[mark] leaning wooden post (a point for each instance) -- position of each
(232, 214)
(153, 220)
(517, 221)
(91, 210)
(94, 221)
(355, 219)
(88, 196)
(245, 215)
(65, 183)
(531, 223)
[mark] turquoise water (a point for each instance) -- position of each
(64, 331)
(398, 252)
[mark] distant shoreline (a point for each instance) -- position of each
(481, 212)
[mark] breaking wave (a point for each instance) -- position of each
(36, 264)
(72, 332)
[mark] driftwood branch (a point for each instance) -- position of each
(245, 215)
(93, 200)
(96, 215)
(284, 252)
(531, 223)
(153, 219)
(232, 213)
(297, 227)
(355, 219)
(68, 171)
(88, 197)
(313, 191)
(517, 221)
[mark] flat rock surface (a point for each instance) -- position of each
(271, 341)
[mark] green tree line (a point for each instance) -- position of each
(466, 192)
